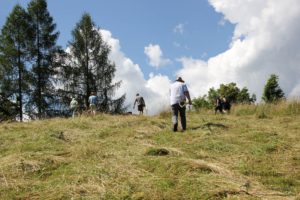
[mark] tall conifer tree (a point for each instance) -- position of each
(13, 56)
(272, 91)
(90, 69)
(43, 50)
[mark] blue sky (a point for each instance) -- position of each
(138, 23)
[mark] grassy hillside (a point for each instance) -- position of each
(252, 153)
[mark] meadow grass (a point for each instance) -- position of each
(240, 155)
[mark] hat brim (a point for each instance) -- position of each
(179, 79)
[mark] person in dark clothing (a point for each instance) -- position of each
(218, 105)
(226, 105)
(139, 100)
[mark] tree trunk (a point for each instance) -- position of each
(20, 85)
(88, 90)
(39, 89)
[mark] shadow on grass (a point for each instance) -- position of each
(210, 125)
(158, 152)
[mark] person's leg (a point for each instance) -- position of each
(218, 108)
(93, 109)
(175, 116)
(221, 109)
(140, 109)
(74, 112)
(182, 117)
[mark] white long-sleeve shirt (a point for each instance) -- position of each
(177, 91)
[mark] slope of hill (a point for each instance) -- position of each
(252, 153)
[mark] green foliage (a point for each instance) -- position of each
(42, 38)
(212, 95)
(272, 92)
(8, 109)
(201, 102)
(232, 93)
(13, 55)
(243, 96)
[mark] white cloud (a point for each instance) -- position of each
(179, 28)
(265, 41)
(155, 56)
(154, 90)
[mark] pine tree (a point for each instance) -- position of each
(43, 49)
(272, 91)
(90, 70)
(13, 48)
(244, 96)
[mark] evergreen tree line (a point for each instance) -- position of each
(38, 78)
(272, 93)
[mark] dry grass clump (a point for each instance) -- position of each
(204, 166)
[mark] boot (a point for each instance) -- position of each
(175, 127)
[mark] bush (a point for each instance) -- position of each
(201, 102)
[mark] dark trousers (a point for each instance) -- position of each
(181, 110)
(218, 108)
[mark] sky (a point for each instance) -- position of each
(207, 42)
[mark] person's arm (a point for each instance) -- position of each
(134, 103)
(187, 94)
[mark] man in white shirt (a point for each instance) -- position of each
(178, 94)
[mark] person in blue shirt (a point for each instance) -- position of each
(93, 103)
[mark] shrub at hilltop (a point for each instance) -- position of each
(230, 91)
(272, 91)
